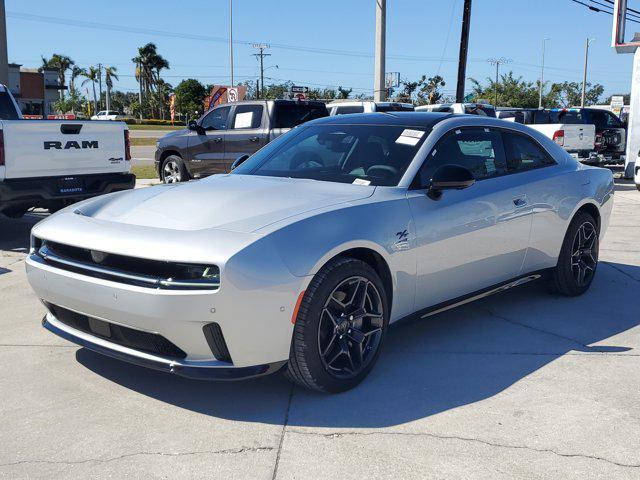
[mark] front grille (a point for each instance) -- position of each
(124, 336)
(125, 269)
(217, 344)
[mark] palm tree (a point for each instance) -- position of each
(149, 64)
(110, 73)
(61, 63)
(75, 73)
(91, 75)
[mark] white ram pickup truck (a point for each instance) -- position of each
(577, 139)
(53, 163)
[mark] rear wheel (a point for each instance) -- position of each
(173, 170)
(340, 327)
(578, 258)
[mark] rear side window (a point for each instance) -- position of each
(349, 109)
(479, 109)
(572, 117)
(289, 115)
(541, 117)
(478, 149)
(248, 116)
(395, 107)
(524, 154)
(7, 108)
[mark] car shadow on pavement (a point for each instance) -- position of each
(427, 367)
(14, 232)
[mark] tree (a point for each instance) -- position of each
(110, 73)
(190, 94)
(71, 103)
(569, 94)
(61, 63)
(343, 93)
(430, 90)
(149, 64)
(91, 75)
(278, 90)
(513, 92)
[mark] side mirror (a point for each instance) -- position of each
(239, 161)
(193, 125)
(449, 177)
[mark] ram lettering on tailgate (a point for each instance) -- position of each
(71, 144)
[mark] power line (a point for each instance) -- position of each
(596, 9)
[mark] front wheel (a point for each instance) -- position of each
(173, 170)
(578, 258)
(340, 327)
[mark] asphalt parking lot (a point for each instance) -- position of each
(521, 385)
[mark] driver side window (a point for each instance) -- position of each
(480, 150)
(216, 119)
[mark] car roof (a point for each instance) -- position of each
(415, 119)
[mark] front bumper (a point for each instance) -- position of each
(44, 192)
(211, 370)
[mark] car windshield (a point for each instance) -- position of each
(361, 154)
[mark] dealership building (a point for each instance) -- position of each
(35, 90)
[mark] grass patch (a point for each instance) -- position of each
(144, 171)
(155, 127)
(143, 141)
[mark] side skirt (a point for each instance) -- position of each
(472, 297)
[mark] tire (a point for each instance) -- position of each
(173, 170)
(321, 332)
(578, 259)
(638, 186)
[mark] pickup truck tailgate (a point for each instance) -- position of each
(49, 148)
(579, 137)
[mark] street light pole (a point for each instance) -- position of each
(4, 59)
(584, 77)
(379, 90)
(544, 43)
(231, 38)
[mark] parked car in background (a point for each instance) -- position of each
(310, 249)
(53, 163)
(611, 134)
(349, 106)
(107, 115)
(577, 139)
(227, 132)
(482, 109)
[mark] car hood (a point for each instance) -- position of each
(239, 203)
(175, 133)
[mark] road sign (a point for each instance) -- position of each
(232, 95)
(298, 89)
(617, 103)
(392, 80)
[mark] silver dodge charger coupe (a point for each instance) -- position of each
(301, 257)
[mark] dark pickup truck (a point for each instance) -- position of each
(211, 144)
(611, 134)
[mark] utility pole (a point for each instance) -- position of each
(379, 90)
(100, 83)
(544, 42)
(464, 48)
(497, 62)
(4, 59)
(231, 38)
(584, 78)
(140, 89)
(261, 55)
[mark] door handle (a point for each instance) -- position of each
(520, 201)
(254, 139)
(217, 139)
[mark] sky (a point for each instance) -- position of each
(321, 43)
